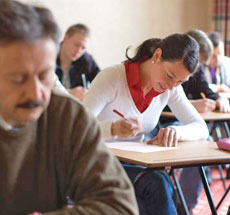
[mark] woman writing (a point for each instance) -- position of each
(140, 88)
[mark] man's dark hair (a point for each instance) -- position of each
(215, 37)
(26, 23)
(78, 28)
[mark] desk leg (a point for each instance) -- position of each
(180, 193)
(222, 199)
(226, 128)
(207, 190)
(217, 130)
(220, 169)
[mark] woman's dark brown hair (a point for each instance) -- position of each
(176, 47)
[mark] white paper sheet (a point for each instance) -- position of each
(137, 147)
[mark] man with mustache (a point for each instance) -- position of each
(51, 152)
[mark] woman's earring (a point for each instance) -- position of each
(153, 62)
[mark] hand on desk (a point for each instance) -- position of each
(204, 105)
(223, 105)
(125, 128)
(222, 88)
(78, 92)
(166, 137)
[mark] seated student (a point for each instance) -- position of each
(140, 88)
(50, 146)
(190, 181)
(75, 67)
(218, 70)
(198, 82)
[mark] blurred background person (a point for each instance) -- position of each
(198, 82)
(190, 181)
(218, 70)
(76, 68)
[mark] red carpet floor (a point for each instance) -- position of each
(217, 191)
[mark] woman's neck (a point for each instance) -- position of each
(145, 76)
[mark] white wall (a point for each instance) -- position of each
(117, 24)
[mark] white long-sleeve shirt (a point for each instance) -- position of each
(109, 90)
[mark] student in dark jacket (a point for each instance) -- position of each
(75, 67)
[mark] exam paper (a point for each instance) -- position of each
(137, 147)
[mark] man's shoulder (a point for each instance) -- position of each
(66, 112)
(61, 104)
(86, 58)
(86, 55)
(59, 97)
(225, 61)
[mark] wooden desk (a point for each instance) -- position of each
(211, 116)
(186, 154)
(197, 153)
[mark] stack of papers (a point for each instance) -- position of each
(137, 147)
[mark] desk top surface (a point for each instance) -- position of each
(215, 116)
(187, 153)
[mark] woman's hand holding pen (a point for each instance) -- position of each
(166, 137)
(125, 128)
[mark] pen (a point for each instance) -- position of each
(120, 114)
(84, 80)
(202, 95)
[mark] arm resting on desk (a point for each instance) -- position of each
(193, 126)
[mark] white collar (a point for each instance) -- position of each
(6, 126)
